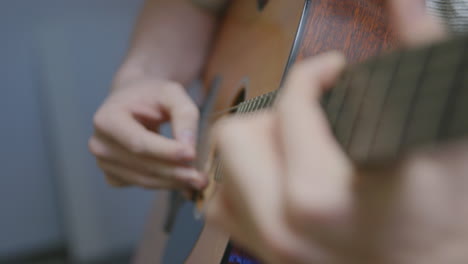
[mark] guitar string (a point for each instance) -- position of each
(412, 106)
(459, 68)
(273, 93)
(235, 107)
(359, 111)
(455, 90)
(257, 103)
(243, 108)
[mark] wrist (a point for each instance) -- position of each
(130, 71)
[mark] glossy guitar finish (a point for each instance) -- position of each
(255, 49)
(252, 53)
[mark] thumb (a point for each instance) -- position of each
(413, 24)
(184, 115)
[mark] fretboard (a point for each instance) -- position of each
(387, 105)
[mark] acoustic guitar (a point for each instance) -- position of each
(382, 105)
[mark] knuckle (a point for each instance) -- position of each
(96, 147)
(137, 146)
(174, 86)
(304, 210)
(300, 209)
(297, 70)
(278, 245)
(189, 111)
(100, 120)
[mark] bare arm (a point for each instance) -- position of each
(171, 41)
(168, 50)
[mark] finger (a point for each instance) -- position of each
(183, 112)
(137, 178)
(318, 171)
(251, 182)
(109, 151)
(250, 161)
(115, 181)
(221, 212)
(122, 127)
(413, 24)
(282, 246)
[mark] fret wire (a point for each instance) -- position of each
(244, 107)
(458, 127)
(269, 101)
(266, 101)
(429, 106)
(430, 103)
(261, 101)
(217, 162)
(392, 123)
(245, 110)
(385, 101)
(454, 94)
(253, 102)
(341, 105)
(252, 105)
(257, 103)
(357, 117)
(414, 97)
(336, 98)
(220, 171)
(241, 108)
(271, 98)
(350, 106)
(369, 114)
(249, 106)
(274, 95)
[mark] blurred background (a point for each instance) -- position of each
(57, 59)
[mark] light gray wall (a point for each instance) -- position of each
(28, 216)
(56, 62)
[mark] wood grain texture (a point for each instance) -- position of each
(252, 49)
(250, 52)
(359, 28)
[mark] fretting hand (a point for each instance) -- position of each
(290, 195)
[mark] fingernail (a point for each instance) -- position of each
(187, 137)
(191, 176)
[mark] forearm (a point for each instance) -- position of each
(171, 41)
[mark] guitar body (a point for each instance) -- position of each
(255, 47)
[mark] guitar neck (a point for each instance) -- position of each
(387, 105)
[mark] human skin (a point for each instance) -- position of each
(291, 195)
(166, 53)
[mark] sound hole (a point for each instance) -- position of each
(261, 4)
(239, 99)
